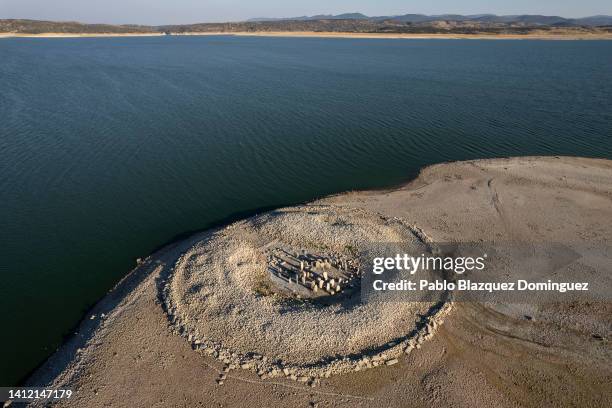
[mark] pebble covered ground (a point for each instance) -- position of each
(213, 297)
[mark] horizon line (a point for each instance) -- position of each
(249, 20)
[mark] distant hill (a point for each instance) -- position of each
(68, 27)
(595, 21)
(527, 19)
(345, 16)
(342, 23)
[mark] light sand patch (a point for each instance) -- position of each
(214, 301)
(440, 36)
(322, 34)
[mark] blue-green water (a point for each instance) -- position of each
(111, 147)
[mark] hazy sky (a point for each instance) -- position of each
(190, 11)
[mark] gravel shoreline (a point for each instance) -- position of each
(128, 342)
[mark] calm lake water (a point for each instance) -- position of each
(111, 147)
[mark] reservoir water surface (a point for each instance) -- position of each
(110, 147)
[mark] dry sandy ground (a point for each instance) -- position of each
(483, 355)
(85, 35)
(222, 299)
(532, 36)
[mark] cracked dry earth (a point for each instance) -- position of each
(551, 354)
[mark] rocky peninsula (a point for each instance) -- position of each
(265, 312)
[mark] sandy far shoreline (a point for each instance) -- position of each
(302, 34)
(77, 35)
(415, 36)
